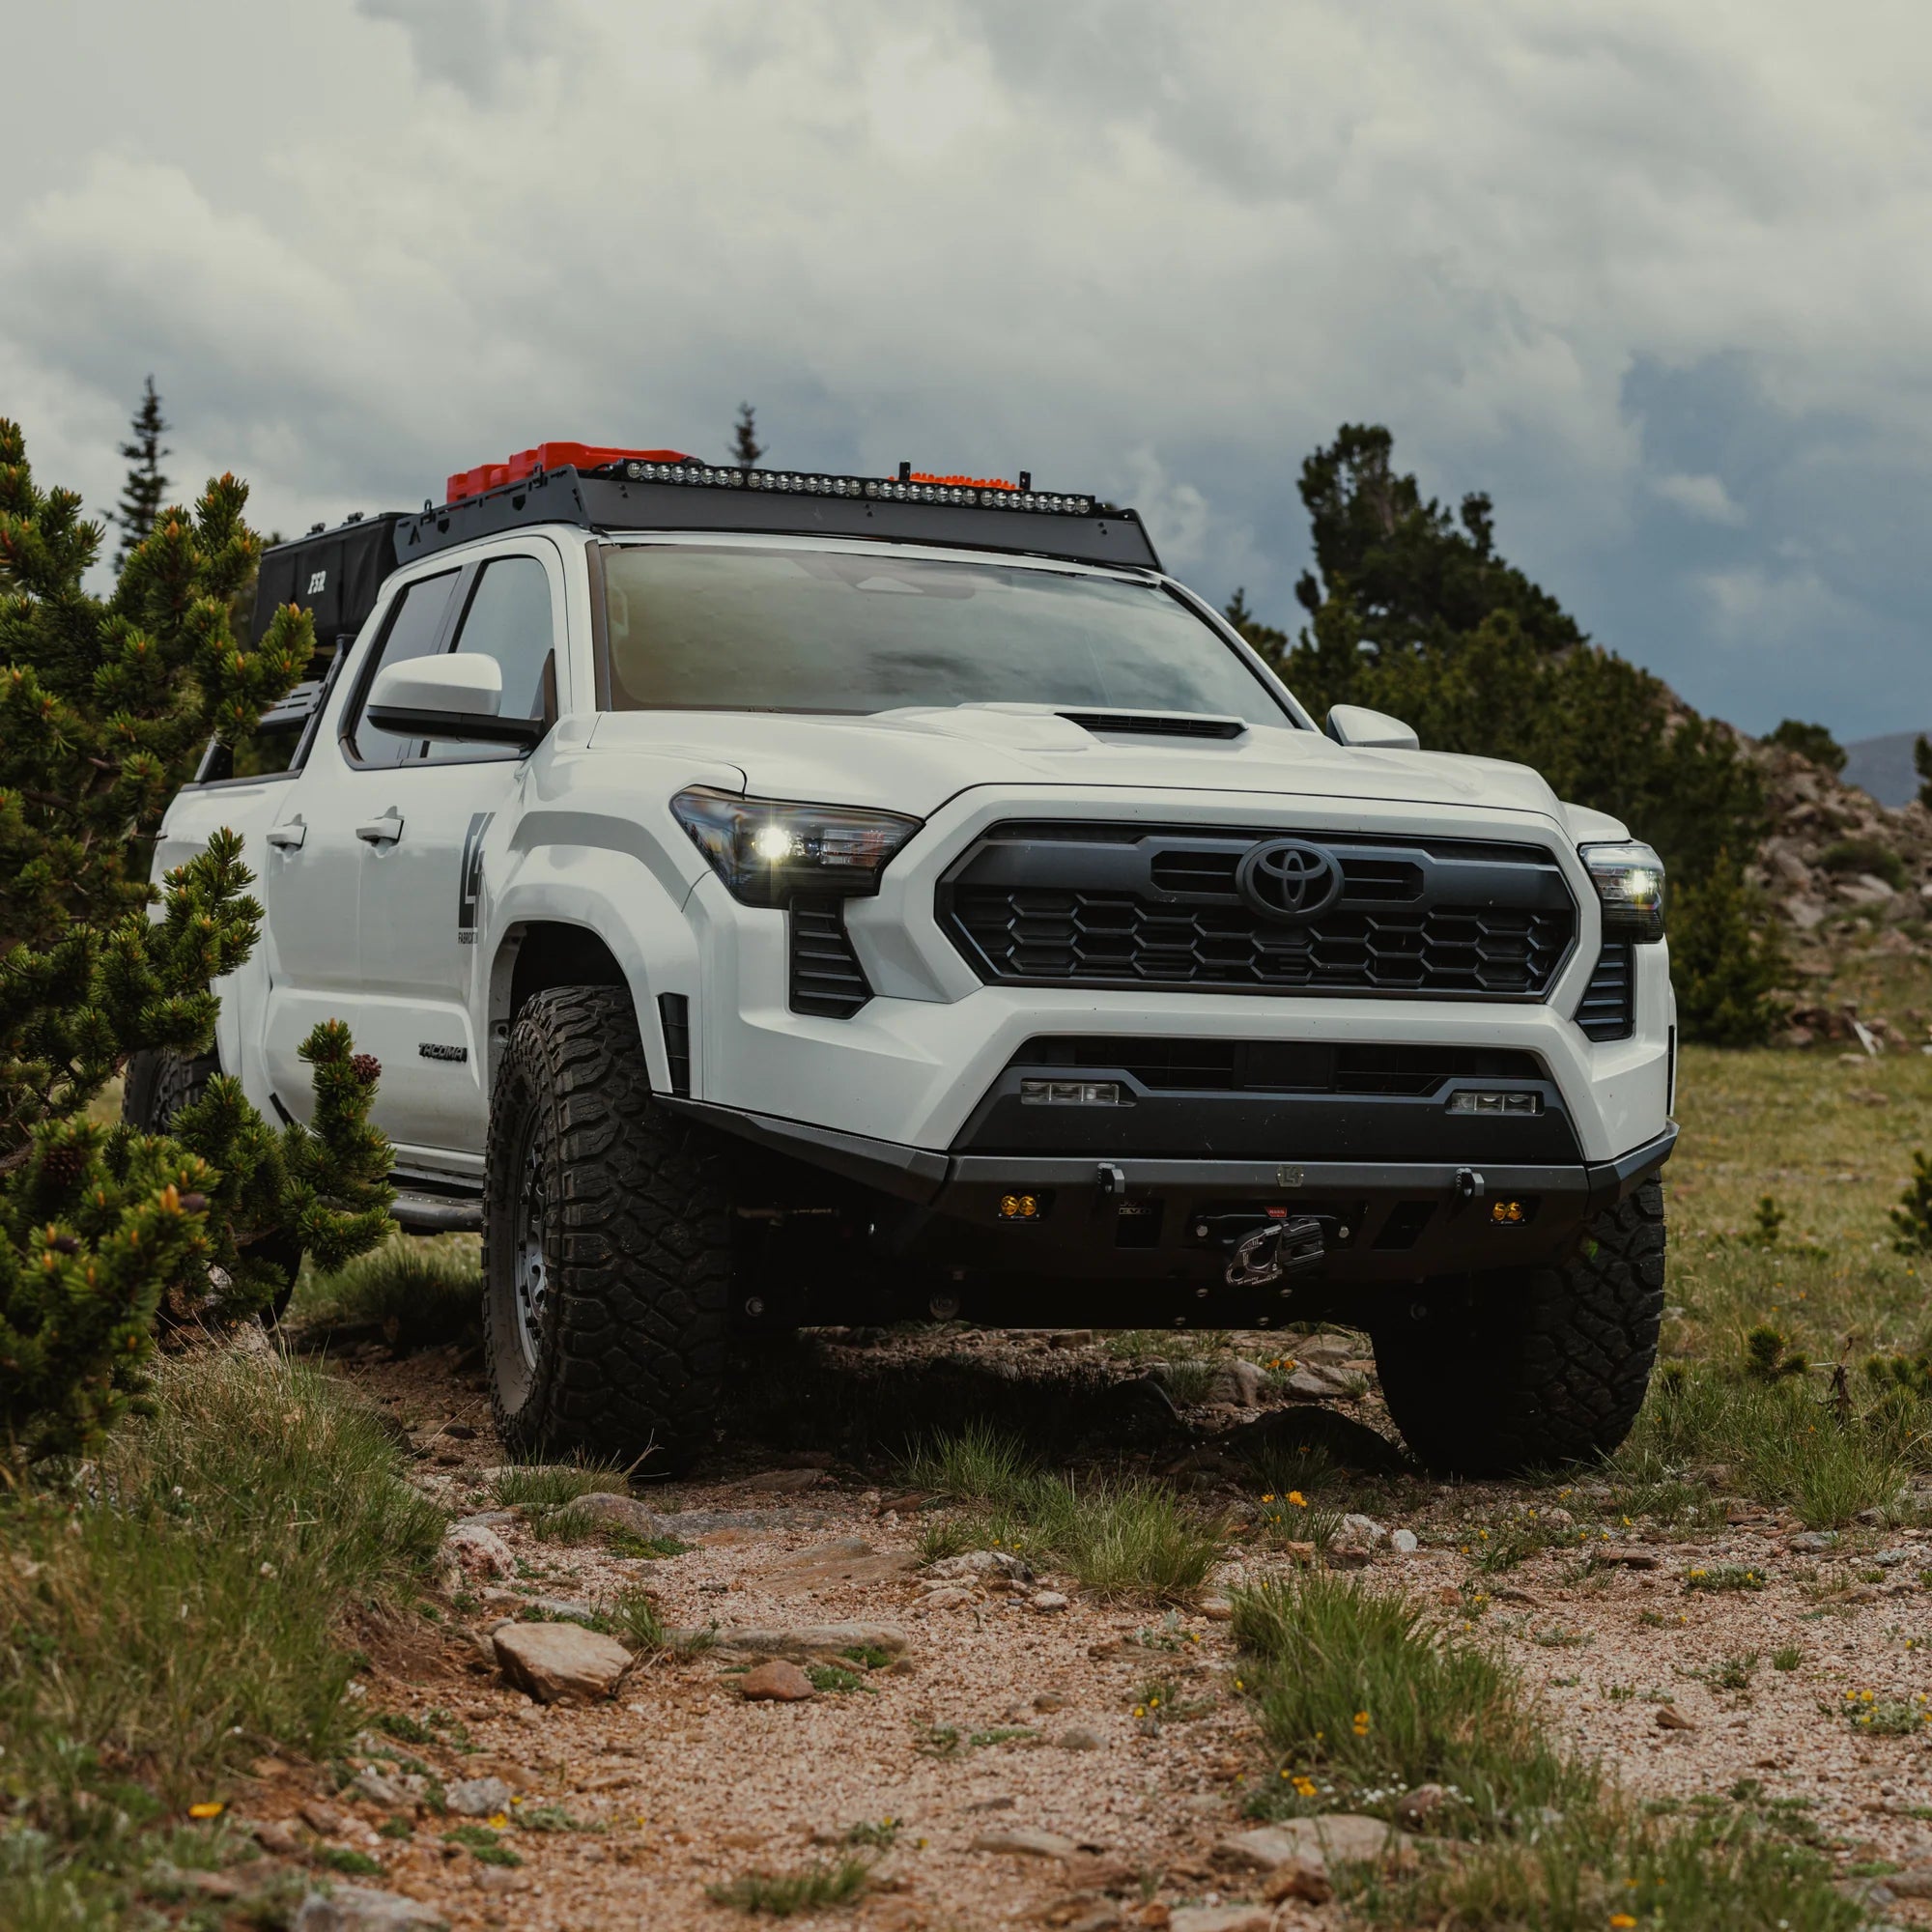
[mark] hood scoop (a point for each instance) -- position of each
(1155, 724)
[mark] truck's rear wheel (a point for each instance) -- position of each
(1531, 1369)
(160, 1083)
(606, 1244)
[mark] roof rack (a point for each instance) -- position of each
(637, 494)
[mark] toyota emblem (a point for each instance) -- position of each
(1290, 881)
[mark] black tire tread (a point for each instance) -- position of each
(1537, 1368)
(639, 1242)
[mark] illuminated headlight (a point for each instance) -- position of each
(1630, 881)
(1070, 1094)
(1472, 1101)
(767, 851)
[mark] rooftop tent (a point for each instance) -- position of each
(335, 574)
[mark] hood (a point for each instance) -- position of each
(914, 760)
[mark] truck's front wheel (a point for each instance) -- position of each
(1539, 1367)
(606, 1244)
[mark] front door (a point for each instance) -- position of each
(425, 883)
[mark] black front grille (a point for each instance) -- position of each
(1076, 905)
(826, 976)
(1609, 1006)
(1278, 1065)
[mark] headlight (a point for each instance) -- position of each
(1630, 881)
(767, 851)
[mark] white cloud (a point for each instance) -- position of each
(1701, 497)
(363, 245)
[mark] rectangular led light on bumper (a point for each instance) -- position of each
(1473, 1101)
(1072, 1093)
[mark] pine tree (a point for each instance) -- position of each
(142, 493)
(104, 706)
(1921, 763)
(1725, 959)
(746, 449)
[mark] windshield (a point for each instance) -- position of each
(744, 629)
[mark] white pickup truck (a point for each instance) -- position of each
(779, 898)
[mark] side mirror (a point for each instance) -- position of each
(1366, 730)
(455, 697)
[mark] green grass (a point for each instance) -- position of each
(1360, 1691)
(1124, 1540)
(419, 1293)
(541, 1488)
(181, 1606)
(1363, 1696)
(783, 1894)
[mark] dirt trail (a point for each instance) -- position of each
(1005, 1718)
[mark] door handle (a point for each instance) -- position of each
(288, 836)
(384, 831)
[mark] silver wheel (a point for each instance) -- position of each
(532, 1274)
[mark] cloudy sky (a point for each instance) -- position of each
(1655, 276)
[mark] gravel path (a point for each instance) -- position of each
(1003, 1717)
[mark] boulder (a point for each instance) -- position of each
(811, 1644)
(477, 1552)
(1023, 1842)
(1337, 1837)
(615, 1512)
(556, 1662)
(1221, 1919)
(776, 1683)
(357, 1908)
(982, 1566)
(478, 1797)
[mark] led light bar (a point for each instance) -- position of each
(875, 489)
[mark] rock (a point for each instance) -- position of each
(1317, 1383)
(487, 1520)
(1221, 1919)
(566, 1607)
(1873, 1517)
(1348, 1556)
(982, 1565)
(322, 1818)
(357, 1908)
(1022, 1842)
(1217, 1609)
(1914, 1881)
(274, 1836)
(380, 1790)
(1404, 1542)
(1239, 1383)
(478, 1797)
(617, 1512)
(1670, 1719)
(812, 1643)
(1047, 1600)
(948, 1598)
(1339, 1837)
(777, 1682)
(784, 1482)
(1049, 1701)
(478, 1552)
(1416, 1808)
(554, 1662)
(1890, 1559)
(1305, 1879)
(1624, 1559)
(1080, 1739)
(1364, 1530)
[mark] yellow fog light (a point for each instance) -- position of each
(1507, 1213)
(1019, 1207)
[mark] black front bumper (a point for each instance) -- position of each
(1156, 1221)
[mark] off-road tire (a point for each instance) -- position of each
(627, 1342)
(158, 1084)
(1532, 1369)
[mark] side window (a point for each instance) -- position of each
(508, 619)
(414, 626)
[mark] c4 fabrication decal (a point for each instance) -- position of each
(469, 879)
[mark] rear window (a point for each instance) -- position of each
(692, 627)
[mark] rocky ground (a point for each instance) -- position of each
(985, 1738)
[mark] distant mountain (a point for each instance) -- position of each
(1883, 767)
